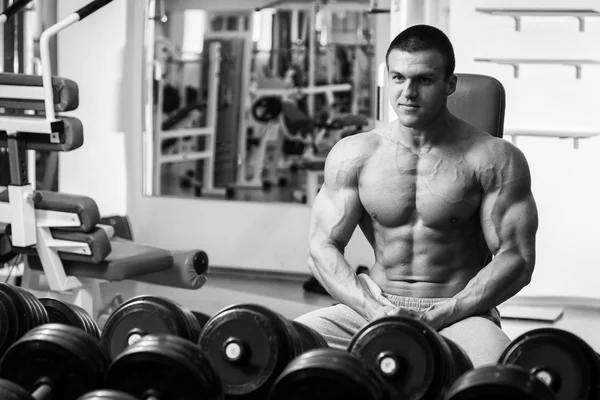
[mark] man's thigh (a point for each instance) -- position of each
(480, 338)
(337, 324)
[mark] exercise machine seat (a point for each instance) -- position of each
(112, 259)
(481, 101)
(133, 261)
(295, 119)
(70, 138)
(66, 93)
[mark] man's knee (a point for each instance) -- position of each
(481, 339)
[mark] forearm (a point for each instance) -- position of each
(497, 282)
(330, 268)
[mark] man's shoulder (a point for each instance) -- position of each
(359, 145)
(496, 159)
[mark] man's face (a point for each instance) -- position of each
(418, 89)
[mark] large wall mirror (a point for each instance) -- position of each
(244, 104)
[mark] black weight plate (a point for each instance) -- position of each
(572, 363)
(9, 322)
(90, 324)
(41, 315)
(192, 323)
(11, 391)
(105, 394)
(21, 320)
(462, 362)
(139, 316)
(248, 345)
(72, 360)
(202, 318)
(413, 359)
(30, 308)
(266, 108)
(309, 338)
(60, 312)
(328, 374)
(166, 367)
(498, 382)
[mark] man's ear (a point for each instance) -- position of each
(451, 84)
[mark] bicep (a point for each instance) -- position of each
(335, 215)
(337, 208)
(509, 215)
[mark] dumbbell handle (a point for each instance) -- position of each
(42, 392)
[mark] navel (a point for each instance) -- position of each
(453, 220)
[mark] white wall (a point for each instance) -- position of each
(274, 236)
(91, 54)
(565, 181)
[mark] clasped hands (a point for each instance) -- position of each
(427, 316)
(430, 316)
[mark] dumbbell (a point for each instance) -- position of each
(144, 315)
(412, 358)
(249, 345)
(499, 382)
(163, 367)
(53, 361)
(568, 365)
(329, 374)
(70, 314)
(105, 394)
(20, 311)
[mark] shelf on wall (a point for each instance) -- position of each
(575, 135)
(517, 13)
(515, 62)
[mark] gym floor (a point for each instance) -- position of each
(285, 295)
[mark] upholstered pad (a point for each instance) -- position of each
(70, 139)
(97, 240)
(345, 120)
(479, 100)
(316, 165)
(190, 269)
(126, 261)
(66, 93)
(85, 207)
(295, 119)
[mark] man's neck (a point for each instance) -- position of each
(428, 136)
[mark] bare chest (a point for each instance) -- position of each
(441, 190)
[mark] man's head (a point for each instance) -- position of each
(420, 63)
(424, 37)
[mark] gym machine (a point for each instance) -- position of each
(68, 251)
(186, 137)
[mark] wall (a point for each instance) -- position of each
(565, 180)
(274, 236)
(91, 54)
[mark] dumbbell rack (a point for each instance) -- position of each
(30, 226)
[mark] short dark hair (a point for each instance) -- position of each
(424, 37)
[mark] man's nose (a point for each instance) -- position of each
(410, 89)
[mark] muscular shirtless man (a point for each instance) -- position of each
(434, 196)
